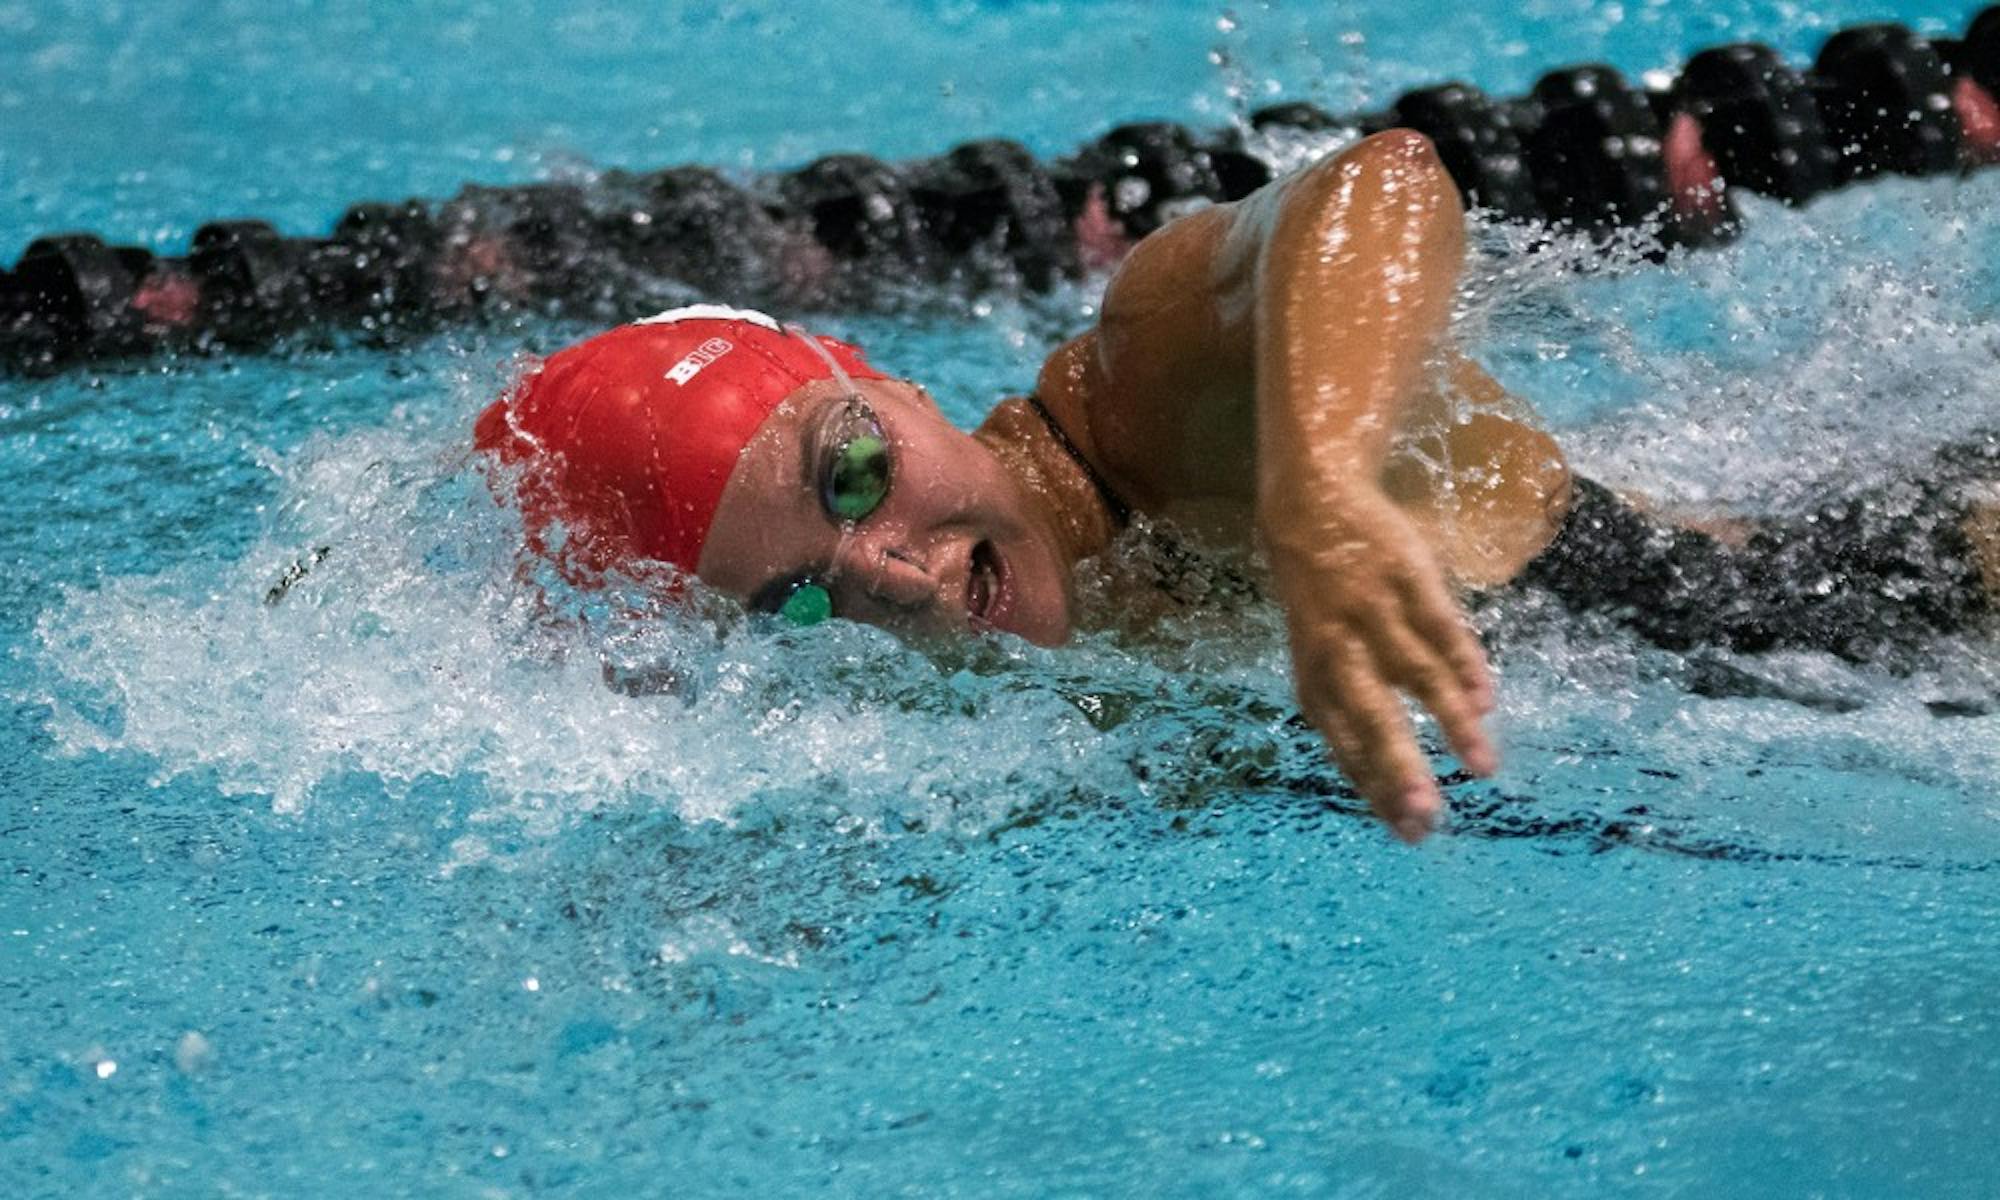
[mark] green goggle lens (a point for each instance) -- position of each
(809, 604)
(854, 481)
(860, 477)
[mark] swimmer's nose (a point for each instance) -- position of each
(886, 571)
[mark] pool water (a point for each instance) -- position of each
(381, 890)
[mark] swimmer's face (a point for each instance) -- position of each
(929, 535)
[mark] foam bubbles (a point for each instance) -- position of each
(1836, 344)
(414, 649)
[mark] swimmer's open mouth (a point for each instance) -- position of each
(986, 586)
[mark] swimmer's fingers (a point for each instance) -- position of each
(1419, 643)
(1437, 658)
(1437, 617)
(1346, 697)
(1417, 668)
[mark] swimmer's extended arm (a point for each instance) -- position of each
(1354, 284)
(1307, 313)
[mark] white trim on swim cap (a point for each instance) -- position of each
(712, 312)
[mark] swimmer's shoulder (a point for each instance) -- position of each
(1160, 439)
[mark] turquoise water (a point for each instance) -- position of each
(383, 891)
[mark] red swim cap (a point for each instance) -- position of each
(628, 438)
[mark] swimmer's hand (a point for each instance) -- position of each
(1370, 617)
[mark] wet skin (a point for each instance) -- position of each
(959, 541)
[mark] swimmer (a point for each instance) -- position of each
(1271, 372)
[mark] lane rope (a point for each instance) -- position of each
(1585, 149)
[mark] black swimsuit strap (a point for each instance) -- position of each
(1121, 512)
